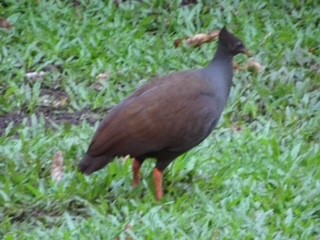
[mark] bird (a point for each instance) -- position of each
(166, 117)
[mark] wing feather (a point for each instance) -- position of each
(157, 117)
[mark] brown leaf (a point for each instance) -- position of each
(237, 67)
(4, 23)
(202, 38)
(236, 128)
(61, 103)
(57, 168)
(102, 78)
(254, 66)
(198, 39)
(312, 50)
(178, 43)
(129, 228)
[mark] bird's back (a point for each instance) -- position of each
(174, 113)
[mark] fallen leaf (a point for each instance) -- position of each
(36, 75)
(61, 103)
(129, 227)
(202, 38)
(236, 128)
(4, 23)
(198, 39)
(237, 67)
(57, 168)
(312, 50)
(254, 66)
(178, 43)
(102, 78)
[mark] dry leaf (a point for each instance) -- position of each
(237, 67)
(236, 128)
(254, 66)
(36, 75)
(312, 50)
(129, 228)
(178, 43)
(202, 38)
(198, 39)
(5, 24)
(60, 103)
(102, 78)
(57, 168)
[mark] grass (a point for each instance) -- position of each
(256, 177)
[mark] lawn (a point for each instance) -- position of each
(64, 64)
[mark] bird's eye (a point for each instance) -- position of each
(239, 45)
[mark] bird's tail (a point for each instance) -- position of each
(90, 164)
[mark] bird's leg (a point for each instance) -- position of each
(158, 175)
(136, 166)
(158, 182)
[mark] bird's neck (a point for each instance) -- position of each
(222, 55)
(221, 71)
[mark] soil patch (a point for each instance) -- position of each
(55, 109)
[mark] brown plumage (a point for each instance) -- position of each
(166, 117)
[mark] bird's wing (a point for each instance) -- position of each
(159, 117)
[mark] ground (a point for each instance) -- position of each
(64, 64)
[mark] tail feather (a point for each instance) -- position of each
(90, 164)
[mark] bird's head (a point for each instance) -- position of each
(231, 43)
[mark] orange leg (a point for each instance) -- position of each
(136, 166)
(158, 181)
